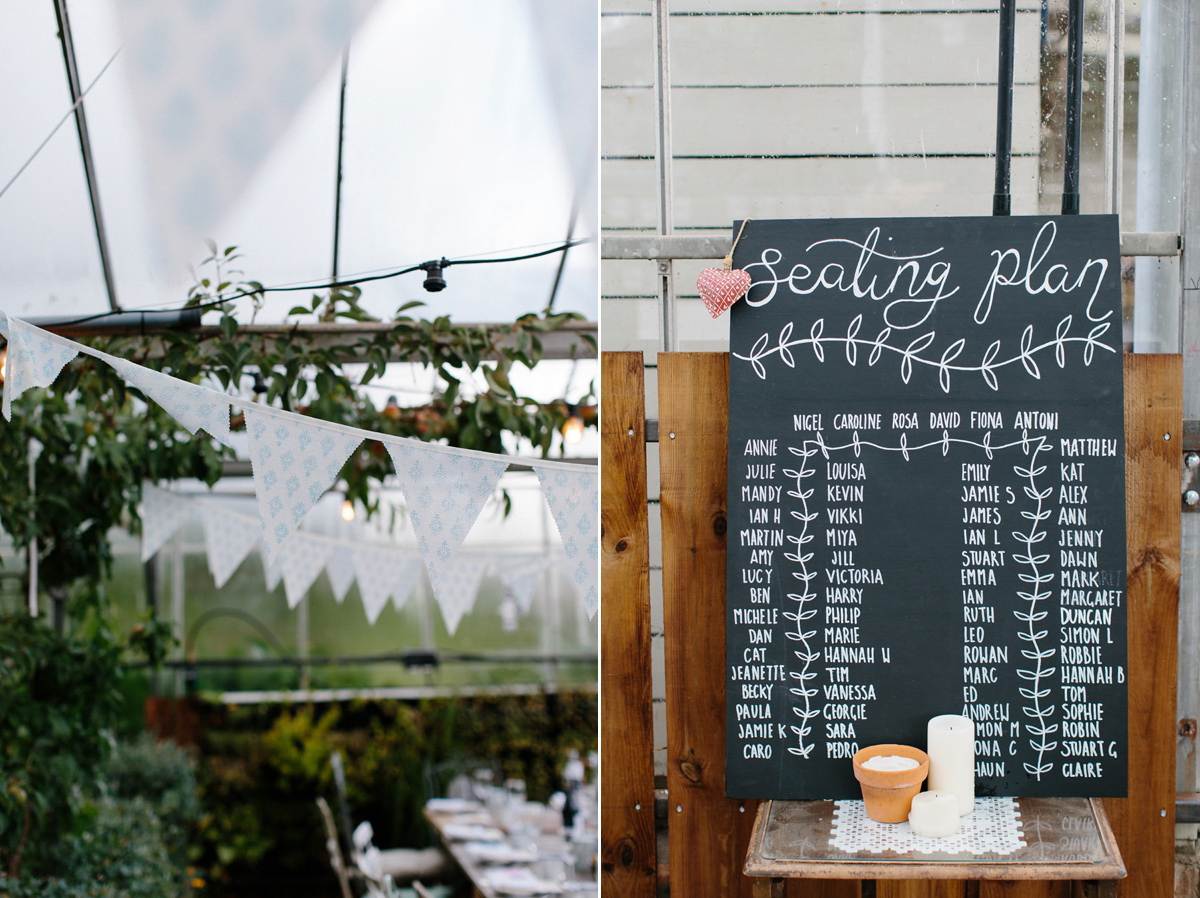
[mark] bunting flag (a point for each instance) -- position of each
(193, 406)
(272, 574)
(228, 539)
(163, 513)
(340, 569)
(521, 579)
(34, 359)
(460, 583)
(294, 462)
(301, 558)
(571, 496)
(296, 459)
(383, 572)
(444, 493)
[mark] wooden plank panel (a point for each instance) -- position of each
(712, 193)
(1144, 821)
(762, 50)
(1062, 889)
(920, 888)
(628, 851)
(866, 120)
(708, 833)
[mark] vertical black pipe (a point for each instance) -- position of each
(85, 150)
(1070, 200)
(337, 196)
(1002, 199)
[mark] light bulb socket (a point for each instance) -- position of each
(434, 282)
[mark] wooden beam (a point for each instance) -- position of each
(628, 850)
(1144, 822)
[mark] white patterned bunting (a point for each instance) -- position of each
(33, 359)
(163, 513)
(228, 539)
(381, 572)
(521, 578)
(571, 496)
(272, 573)
(444, 493)
(460, 583)
(301, 559)
(294, 462)
(339, 568)
(193, 406)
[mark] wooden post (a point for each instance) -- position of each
(1144, 823)
(708, 833)
(628, 863)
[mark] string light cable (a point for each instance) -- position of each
(337, 283)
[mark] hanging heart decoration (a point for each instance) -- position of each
(720, 288)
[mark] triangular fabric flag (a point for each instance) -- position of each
(572, 497)
(460, 584)
(192, 405)
(339, 568)
(33, 360)
(163, 513)
(294, 462)
(444, 493)
(383, 571)
(272, 573)
(521, 577)
(228, 539)
(301, 558)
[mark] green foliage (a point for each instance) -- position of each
(117, 852)
(57, 704)
(163, 775)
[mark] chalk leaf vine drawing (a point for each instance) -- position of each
(913, 353)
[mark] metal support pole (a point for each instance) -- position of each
(337, 195)
(85, 148)
(1070, 198)
(1002, 199)
(1114, 108)
(662, 149)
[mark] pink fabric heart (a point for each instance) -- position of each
(720, 288)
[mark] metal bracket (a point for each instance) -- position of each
(1189, 487)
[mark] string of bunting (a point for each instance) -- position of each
(382, 571)
(296, 459)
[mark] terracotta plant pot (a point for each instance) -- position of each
(888, 794)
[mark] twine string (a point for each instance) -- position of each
(729, 258)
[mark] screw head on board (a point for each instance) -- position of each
(1191, 498)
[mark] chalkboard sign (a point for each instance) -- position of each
(926, 501)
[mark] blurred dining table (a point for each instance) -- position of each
(515, 847)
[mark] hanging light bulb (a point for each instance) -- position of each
(348, 510)
(3, 361)
(572, 429)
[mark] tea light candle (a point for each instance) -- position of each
(951, 753)
(890, 762)
(934, 814)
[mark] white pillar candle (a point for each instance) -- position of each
(934, 814)
(952, 758)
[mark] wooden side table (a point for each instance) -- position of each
(1066, 839)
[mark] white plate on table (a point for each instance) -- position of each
(519, 881)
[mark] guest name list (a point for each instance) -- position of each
(926, 501)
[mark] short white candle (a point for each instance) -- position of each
(890, 762)
(952, 759)
(934, 814)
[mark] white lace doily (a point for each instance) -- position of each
(993, 828)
